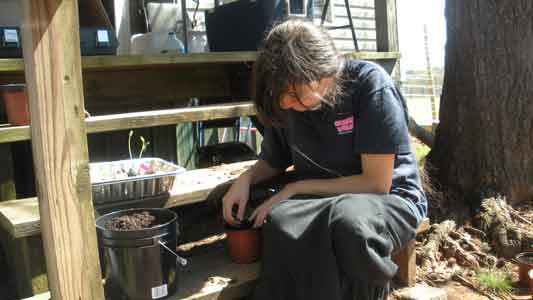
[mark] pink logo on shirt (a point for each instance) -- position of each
(344, 125)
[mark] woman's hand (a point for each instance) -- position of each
(238, 194)
(260, 213)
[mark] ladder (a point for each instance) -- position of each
(349, 25)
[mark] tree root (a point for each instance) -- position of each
(502, 232)
(430, 251)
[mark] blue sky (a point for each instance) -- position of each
(412, 15)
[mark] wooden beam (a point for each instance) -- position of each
(167, 117)
(144, 119)
(386, 26)
(55, 89)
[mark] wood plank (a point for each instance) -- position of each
(144, 119)
(20, 218)
(11, 65)
(95, 63)
(51, 46)
(406, 261)
(211, 276)
(167, 117)
(194, 186)
(106, 62)
(386, 25)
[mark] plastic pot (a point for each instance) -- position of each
(525, 264)
(16, 104)
(244, 242)
(140, 264)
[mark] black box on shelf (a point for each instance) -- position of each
(93, 41)
(242, 25)
(10, 42)
(98, 41)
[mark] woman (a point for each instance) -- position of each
(342, 125)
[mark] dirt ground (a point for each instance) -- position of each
(466, 285)
(455, 291)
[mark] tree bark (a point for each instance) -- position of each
(485, 137)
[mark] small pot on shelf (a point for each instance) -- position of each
(244, 242)
(16, 104)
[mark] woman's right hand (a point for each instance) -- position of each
(237, 195)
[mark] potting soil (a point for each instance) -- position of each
(134, 221)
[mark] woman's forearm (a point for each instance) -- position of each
(260, 171)
(356, 184)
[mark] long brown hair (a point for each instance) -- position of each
(294, 52)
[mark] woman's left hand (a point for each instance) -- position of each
(260, 213)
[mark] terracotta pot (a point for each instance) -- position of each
(525, 264)
(244, 243)
(16, 104)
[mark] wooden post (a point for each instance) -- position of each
(386, 26)
(387, 32)
(51, 46)
(406, 261)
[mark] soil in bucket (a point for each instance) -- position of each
(134, 221)
(136, 264)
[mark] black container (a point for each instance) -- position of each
(224, 153)
(136, 266)
(91, 43)
(241, 25)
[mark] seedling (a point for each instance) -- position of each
(144, 145)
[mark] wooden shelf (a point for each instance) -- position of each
(143, 61)
(144, 119)
(107, 62)
(21, 218)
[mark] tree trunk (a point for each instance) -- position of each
(484, 141)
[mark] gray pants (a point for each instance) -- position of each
(335, 248)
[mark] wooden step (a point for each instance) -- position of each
(208, 276)
(20, 218)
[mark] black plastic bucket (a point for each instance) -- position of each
(140, 264)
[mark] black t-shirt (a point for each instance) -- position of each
(370, 116)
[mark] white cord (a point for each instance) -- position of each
(332, 172)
